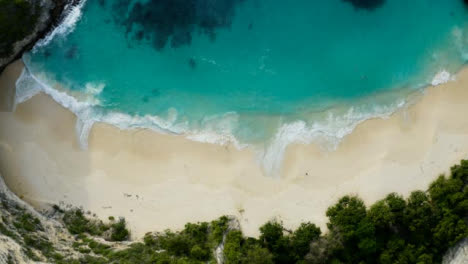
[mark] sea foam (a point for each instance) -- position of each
(29, 85)
(327, 131)
(216, 130)
(72, 14)
(88, 111)
(442, 77)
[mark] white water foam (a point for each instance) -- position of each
(29, 85)
(125, 121)
(328, 132)
(217, 130)
(72, 15)
(461, 41)
(94, 88)
(83, 128)
(25, 88)
(442, 77)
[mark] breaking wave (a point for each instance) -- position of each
(327, 131)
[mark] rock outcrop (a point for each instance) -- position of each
(458, 254)
(47, 14)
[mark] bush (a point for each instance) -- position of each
(233, 247)
(119, 231)
(28, 223)
(77, 223)
(218, 228)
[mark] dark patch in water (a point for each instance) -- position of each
(145, 99)
(250, 26)
(192, 63)
(47, 53)
(155, 92)
(102, 3)
(174, 21)
(71, 52)
(139, 35)
(366, 4)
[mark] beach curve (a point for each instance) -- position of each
(159, 181)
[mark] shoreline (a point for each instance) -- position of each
(324, 132)
(163, 181)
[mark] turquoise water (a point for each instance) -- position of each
(246, 70)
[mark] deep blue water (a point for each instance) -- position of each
(246, 68)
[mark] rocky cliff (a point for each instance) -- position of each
(24, 22)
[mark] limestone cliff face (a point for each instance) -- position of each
(458, 254)
(47, 14)
(23, 230)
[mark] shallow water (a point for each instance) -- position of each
(261, 72)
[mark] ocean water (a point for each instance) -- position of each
(251, 72)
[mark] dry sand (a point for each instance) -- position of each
(161, 181)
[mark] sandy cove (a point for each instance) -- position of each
(161, 181)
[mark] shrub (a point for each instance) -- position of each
(77, 223)
(119, 231)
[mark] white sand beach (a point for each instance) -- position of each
(161, 181)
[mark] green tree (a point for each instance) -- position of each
(272, 237)
(258, 255)
(301, 239)
(460, 171)
(367, 243)
(349, 218)
(449, 231)
(271, 233)
(397, 206)
(233, 247)
(380, 215)
(419, 218)
(346, 215)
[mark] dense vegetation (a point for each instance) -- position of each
(419, 229)
(18, 19)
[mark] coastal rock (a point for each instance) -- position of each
(47, 14)
(458, 254)
(219, 251)
(10, 251)
(16, 217)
